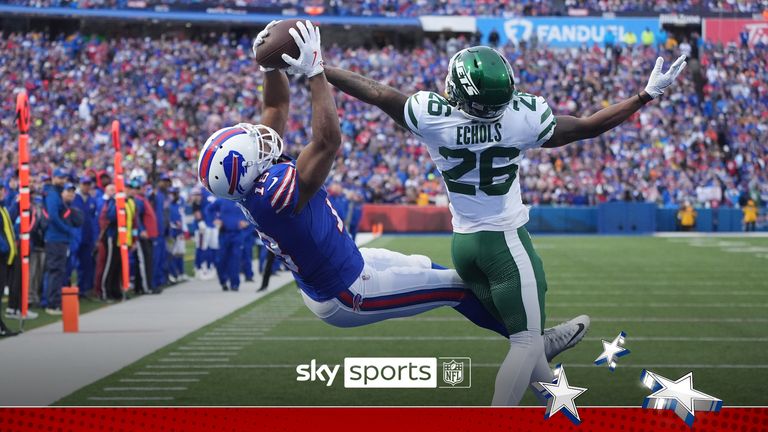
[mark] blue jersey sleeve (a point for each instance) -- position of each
(280, 188)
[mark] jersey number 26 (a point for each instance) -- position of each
(487, 171)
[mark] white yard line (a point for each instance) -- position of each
(182, 359)
(498, 338)
(493, 365)
(711, 235)
(652, 366)
(593, 319)
(131, 398)
(686, 284)
(118, 389)
(661, 305)
(203, 353)
(208, 348)
(636, 292)
(159, 380)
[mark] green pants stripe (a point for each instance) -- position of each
(505, 273)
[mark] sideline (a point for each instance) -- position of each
(43, 365)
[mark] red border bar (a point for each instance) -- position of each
(368, 419)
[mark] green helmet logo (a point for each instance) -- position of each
(480, 82)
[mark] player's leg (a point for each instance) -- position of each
(85, 267)
(199, 251)
(159, 268)
(469, 305)
(516, 295)
(246, 263)
(524, 364)
(392, 285)
(221, 259)
(564, 335)
(141, 285)
(235, 254)
(269, 268)
(395, 285)
(464, 250)
(213, 247)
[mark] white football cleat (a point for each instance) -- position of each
(565, 335)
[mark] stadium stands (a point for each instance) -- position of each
(427, 7)
(703, 143)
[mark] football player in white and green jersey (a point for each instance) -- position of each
(477, 135)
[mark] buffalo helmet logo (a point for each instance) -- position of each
(234, 170)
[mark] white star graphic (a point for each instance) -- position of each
(612, 351)
(561, 395)
(679, 396)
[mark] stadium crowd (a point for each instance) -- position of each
(432, 7)
(702, 144)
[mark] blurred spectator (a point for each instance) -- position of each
(629, 39)
(74, 218)
(434, 7)
(686, 217)
(493, 38)
(38, 222)
(354, 213)
(648, 38)
(57, 239)
(750, 216)
(9, 265)
(177, 233)
(160, 257)
(198, 230)
(108, 260)
(145, 232)
(231, 223)
(85, 254)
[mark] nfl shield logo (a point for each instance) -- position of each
(453, 372)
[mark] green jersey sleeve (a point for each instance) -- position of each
(414, 107)
(539, 120)
(547, 122)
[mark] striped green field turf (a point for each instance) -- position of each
(686, 304)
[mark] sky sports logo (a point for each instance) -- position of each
(392, 372)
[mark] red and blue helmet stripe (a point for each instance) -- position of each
(209, 151)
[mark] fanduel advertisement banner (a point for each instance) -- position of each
(564, 32)
(729, 30)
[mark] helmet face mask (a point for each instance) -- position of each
(233, 158)
(480, 83)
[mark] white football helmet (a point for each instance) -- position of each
(233, 158)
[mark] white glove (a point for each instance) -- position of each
(310, 61)
(260, 40)
(658, 81)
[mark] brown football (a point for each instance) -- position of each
(277, 43)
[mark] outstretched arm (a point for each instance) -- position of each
(388, 99)
(570, 129)
(316, 159)
(276, 94)
(276, 101)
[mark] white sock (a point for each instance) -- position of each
(525, 363)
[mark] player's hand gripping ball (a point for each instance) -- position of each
(309, 62)
(274, 41)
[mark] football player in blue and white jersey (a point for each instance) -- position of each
(286, 201)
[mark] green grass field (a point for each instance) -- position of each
(686, 304)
